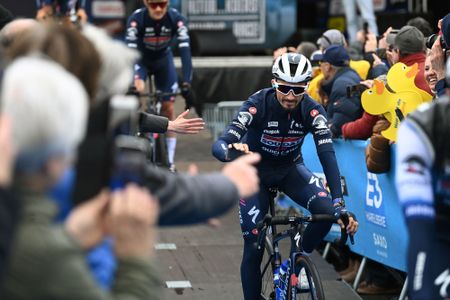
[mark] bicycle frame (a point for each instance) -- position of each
(294, 232)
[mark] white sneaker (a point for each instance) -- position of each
(302, 280)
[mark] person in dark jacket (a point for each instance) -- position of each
(338, 76)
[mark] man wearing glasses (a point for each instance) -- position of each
(151, 30)
(274, 122)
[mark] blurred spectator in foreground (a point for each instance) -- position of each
(422, 182)
(47, 124)
(337, 76)
(14, 29)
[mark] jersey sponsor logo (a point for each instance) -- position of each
(253, 212)
(245, 118)
(322, 132)
(314, 113)
(319, 122)
(374, 201)
(322, 194)
(273, 131)
(420, 209)
(272, 124)
(132, 33)
(235, 133)
(252, 110)
(283, 143)
(296, 132)
(324, 141)
(149, 29)
(443, 280)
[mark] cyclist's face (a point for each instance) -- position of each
(288, 97)
(157, 9)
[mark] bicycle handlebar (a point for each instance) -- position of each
(295, 220)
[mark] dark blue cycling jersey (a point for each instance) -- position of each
(278, 134)
(62, 6)
(153, 39)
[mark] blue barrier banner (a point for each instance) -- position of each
(382, 234)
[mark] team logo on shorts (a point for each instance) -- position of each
(133, 24)
(252, 110)
(322, 194)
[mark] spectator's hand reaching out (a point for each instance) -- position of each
(186, 126)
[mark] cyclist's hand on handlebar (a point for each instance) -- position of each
(186, 126)
(186, 92)
(240, 147)
(243, 174)
(352, 226)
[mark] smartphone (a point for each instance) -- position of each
(355, 90)
(129, 161)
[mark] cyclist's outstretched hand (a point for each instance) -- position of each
(243, 174)
(186, 126)
(240, 147)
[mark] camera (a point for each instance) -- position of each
(429, 41)
(355, 90)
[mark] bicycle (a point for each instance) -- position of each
(297, 277)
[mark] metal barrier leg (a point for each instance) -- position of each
(326, 250)
(404, 290)
(359, 273)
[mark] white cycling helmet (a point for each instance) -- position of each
(292, 68)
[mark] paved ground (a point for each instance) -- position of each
(207, 258)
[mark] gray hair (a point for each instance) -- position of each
(48, 109)
(117, 60)
(13, 29)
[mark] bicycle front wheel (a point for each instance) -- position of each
(306, 281)
(267, 268)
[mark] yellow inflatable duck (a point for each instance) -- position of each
(378, 100)
(401, 78)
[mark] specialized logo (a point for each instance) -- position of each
(297, 239)
(252, 110)
(272, 124)
(254, 212)
(320, 122)
(374, 201)
(245, 118)
(315, 180)
(443, 280)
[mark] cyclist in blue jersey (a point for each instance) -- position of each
(274, 122)
(50, 8)
(423, 187)
(152, 30)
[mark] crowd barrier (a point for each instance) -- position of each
(382, 234)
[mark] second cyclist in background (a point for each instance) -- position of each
(274, 122)
(151, 30)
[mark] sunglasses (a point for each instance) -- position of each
(296, 90)
(162, 5)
